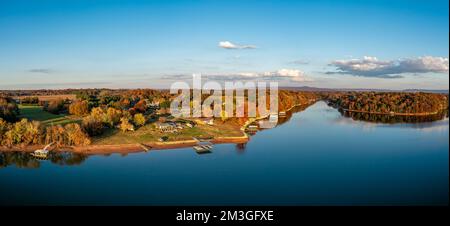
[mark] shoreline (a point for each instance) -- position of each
(126, 148)
(248, 122)
(142, 147)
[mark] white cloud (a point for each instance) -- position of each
(372, 67)
(230, 45)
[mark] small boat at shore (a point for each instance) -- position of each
(41, 153)
(252, 127)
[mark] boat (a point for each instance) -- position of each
(41, 153)
(282, 114)
(252, 127)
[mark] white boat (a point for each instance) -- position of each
(41, 153)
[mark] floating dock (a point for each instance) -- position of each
(203, 149)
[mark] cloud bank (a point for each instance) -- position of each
(372, 67)
(230, 45)
(291, 75)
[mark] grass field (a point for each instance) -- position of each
(52, 97)
(34, 112)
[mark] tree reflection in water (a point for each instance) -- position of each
(240, 148)
(26, 160)
(392, 119)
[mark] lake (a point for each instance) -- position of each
(317, 157)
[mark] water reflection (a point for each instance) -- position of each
(284, 119)
(368, 121)
(240, 148)
(26, 160)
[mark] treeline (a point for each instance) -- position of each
(386, 102)
(287, 99)
(26, 132)
(8, 109)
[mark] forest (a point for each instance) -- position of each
(389, 102)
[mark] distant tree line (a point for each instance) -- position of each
(26, 132)
(386, 102)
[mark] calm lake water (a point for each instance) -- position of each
(317, 157)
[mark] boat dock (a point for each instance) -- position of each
(145, 147)
(203, 149)
(204, 146)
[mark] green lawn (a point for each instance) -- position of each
(34, 112)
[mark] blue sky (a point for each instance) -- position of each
(130, 44)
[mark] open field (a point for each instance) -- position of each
(34, 112)
(51, 97)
